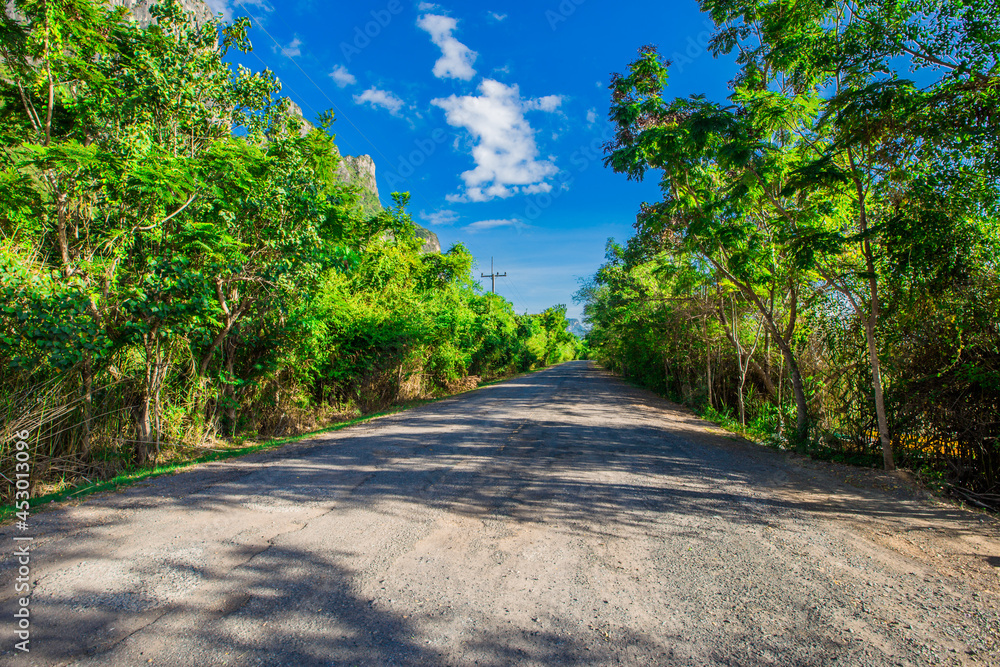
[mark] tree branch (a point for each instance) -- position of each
(147, 228)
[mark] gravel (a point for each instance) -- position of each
(560, 518)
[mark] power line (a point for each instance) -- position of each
(340, 113)
(524, 302)
(302, 99)
(322, 92)
(517, 292)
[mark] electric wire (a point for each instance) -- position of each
(302, 99)
(260, 25)
(517, 292)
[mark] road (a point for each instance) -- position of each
(560, 518)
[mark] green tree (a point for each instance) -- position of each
(724, 172)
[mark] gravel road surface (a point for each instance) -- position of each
(560, 518)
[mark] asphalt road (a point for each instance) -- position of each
(561, 518)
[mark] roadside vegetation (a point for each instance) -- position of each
(822, 268)
(181, 269)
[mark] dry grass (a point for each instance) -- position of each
(460, 385)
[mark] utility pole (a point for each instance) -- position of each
(493, 275)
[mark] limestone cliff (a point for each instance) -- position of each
(296, 111)
(431, 242)
(358, 170)
(577, 328)
(140, 9)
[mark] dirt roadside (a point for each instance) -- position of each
(562, 518)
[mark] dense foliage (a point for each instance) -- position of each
(179, 258)
(822, 268)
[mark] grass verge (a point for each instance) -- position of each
(130, 477)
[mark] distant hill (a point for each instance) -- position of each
(577, 327)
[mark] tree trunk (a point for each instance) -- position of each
(801, 407)
(230, 393)
(739, 400)
(883, 425)
(708, 366)
(781, 403)
(798, 388)
(61, 230)
(143, 431)
(87, 376)
(666, 373)
(745, 362)
(765, 379)
(871, 322)
(148, 411)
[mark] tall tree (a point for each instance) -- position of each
(724, 171)
(879, 138)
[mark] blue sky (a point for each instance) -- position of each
(492, 115)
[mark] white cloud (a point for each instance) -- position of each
(292, 50)
(380, 98)
(591, 116)
(497, 17)
(342, 77)
(505, 152)
(456, 58)
(547, 103)
(484, 225)
(444, 217)
(427, 7)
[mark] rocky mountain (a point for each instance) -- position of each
(577, 328)
(358, 170)
(431, 242)
(140, 9)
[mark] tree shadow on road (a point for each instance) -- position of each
(568, 449)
